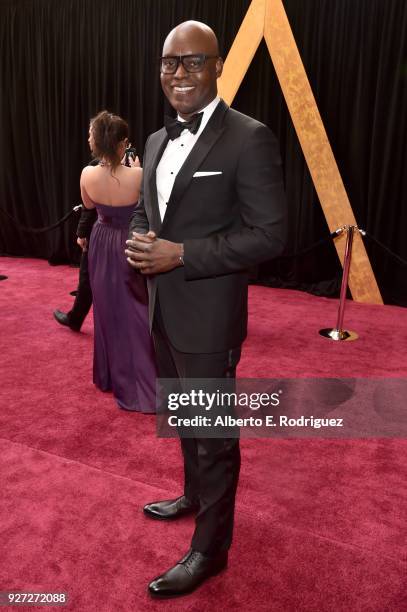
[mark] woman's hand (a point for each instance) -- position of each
(134, 163)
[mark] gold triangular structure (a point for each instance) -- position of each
(268, 19)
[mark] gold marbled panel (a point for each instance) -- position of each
(242, 51)
(268, 18)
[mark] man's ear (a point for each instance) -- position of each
(219, 67)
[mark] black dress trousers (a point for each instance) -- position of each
(211, 465)
(83, 298)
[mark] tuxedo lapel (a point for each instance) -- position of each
(210, 135)
(162, 141)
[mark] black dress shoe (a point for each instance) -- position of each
(170, 509)
(187, 575)
(63, 319)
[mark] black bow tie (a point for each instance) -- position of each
(175, 127)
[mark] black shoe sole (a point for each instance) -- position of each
(156, 517)
(73, 328)
(190, 591)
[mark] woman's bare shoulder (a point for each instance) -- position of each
(89, 172)
(134, 169)
(134, 173)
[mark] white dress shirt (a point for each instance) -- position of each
(175, 154)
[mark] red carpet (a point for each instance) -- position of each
(320, 525)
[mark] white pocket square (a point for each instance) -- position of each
(198, 174)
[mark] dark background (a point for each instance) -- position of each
(63, 61)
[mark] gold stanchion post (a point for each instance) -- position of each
(338, 333)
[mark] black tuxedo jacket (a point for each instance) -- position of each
(227, 222)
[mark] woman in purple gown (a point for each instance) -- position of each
(123, 352)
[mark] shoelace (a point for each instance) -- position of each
(191, 559)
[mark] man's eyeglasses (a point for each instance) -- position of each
(191, 63)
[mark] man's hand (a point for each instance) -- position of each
(83, 243)
(152, 255)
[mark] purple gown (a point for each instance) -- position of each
(123, 360)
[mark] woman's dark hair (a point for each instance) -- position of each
(107, 131)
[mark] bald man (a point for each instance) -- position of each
(212, 205)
